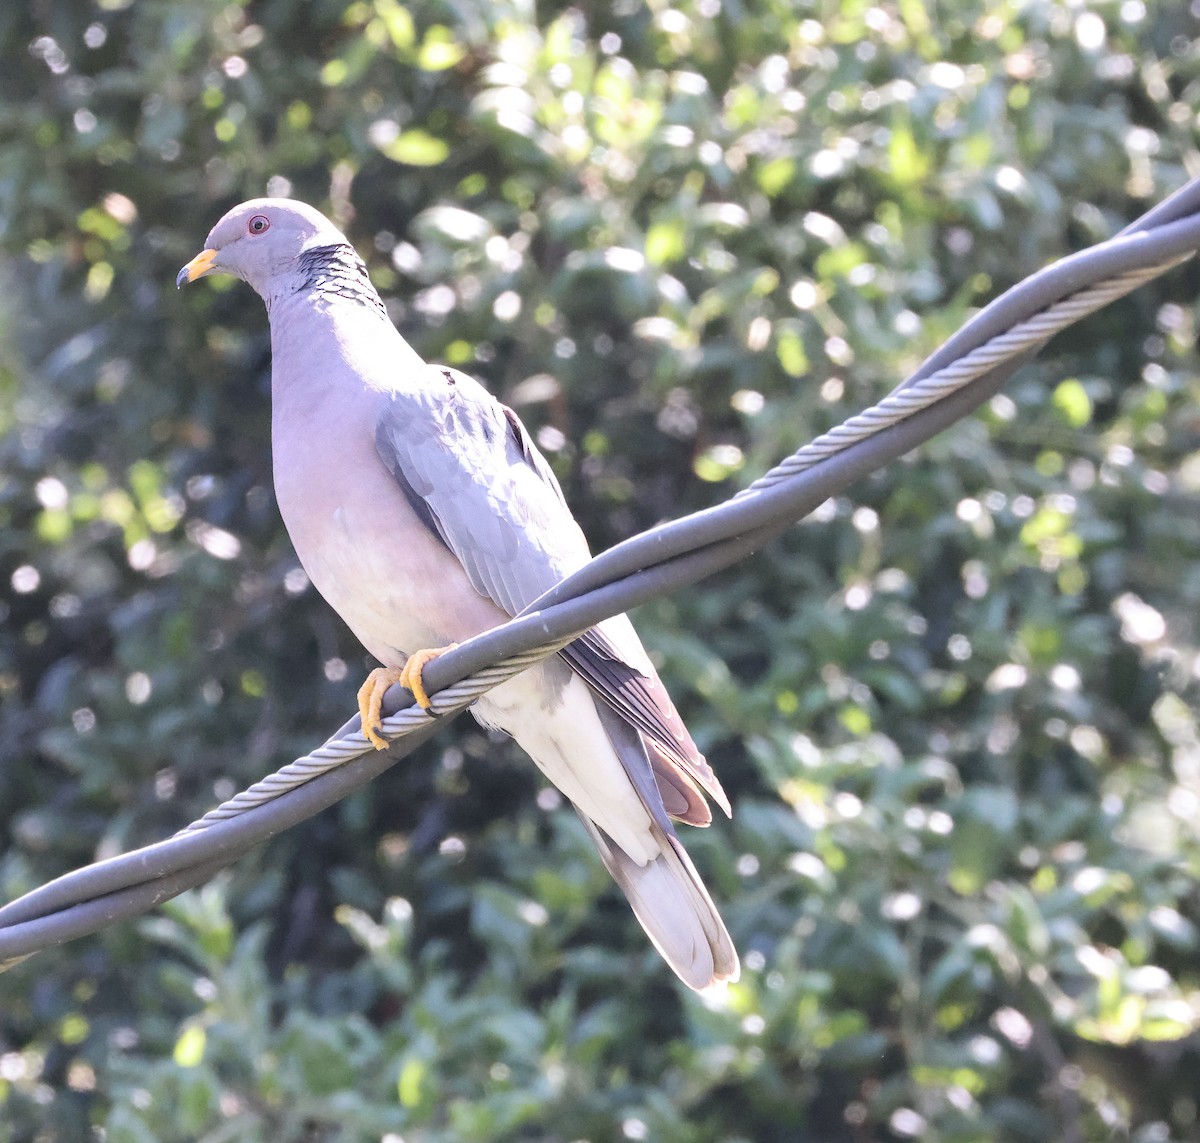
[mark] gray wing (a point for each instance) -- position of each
(471, 473)
(473, 476)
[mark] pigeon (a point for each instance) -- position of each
(424, 514)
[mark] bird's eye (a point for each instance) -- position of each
(258, 224)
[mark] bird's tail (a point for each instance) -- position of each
(666, 893)
(674, 908)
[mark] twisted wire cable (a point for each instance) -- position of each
(337, 750)
(907, 400)
(971, 366)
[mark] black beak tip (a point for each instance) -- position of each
(181, 278)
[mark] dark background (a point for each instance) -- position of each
(955, 710)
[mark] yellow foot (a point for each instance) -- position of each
(410, 673)
(370, 694)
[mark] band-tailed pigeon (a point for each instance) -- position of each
(424, 514)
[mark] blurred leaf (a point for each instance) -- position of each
(416, 148)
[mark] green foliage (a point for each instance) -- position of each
(955, 709)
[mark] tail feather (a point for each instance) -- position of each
(670, 901)
(666, 893)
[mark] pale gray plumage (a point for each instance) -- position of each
(424, 514)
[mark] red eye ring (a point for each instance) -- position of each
(259, 224)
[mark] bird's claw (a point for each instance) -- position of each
(370, 694)
(410, 674)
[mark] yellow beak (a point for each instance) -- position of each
(196, 268)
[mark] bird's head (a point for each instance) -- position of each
(261, 242)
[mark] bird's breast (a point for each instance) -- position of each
(394, 582)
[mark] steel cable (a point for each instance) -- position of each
(965, 372)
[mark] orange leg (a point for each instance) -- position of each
(370, 694)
